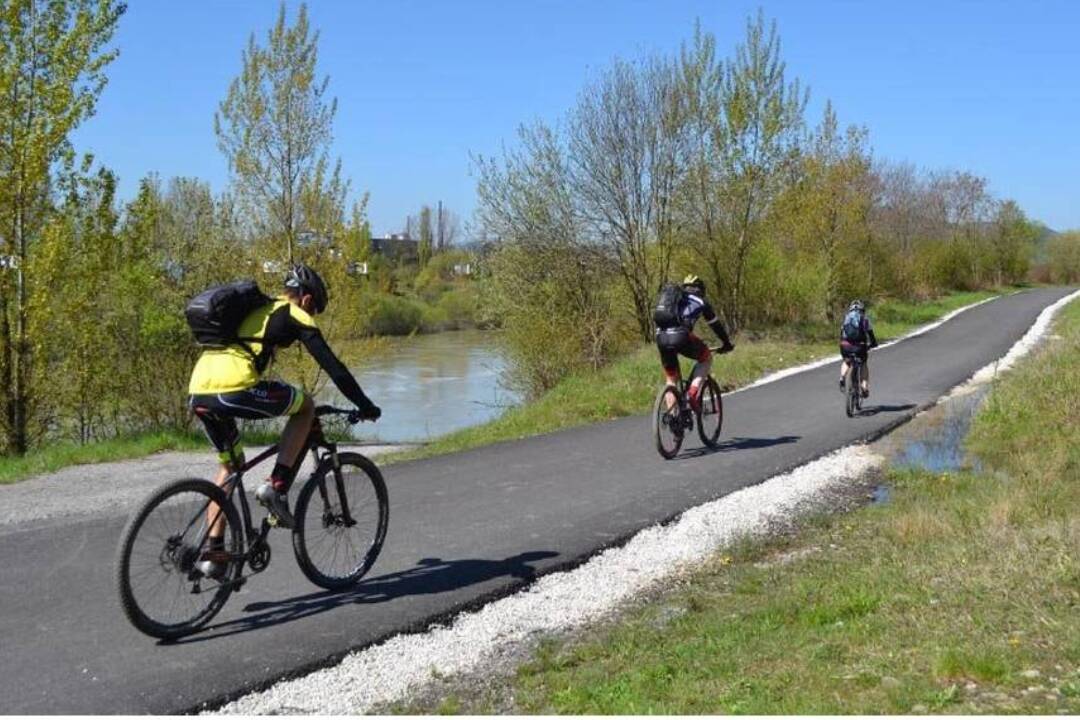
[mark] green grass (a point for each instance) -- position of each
(628, 386)
(61, 455)
(958, 596)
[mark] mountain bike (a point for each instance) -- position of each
(341, 515)
(674, 415)
(853, 396)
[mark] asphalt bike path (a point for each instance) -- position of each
(463, 528)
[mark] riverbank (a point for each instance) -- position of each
(957, 594)
(628, 386)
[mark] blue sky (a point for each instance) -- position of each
(990, 87)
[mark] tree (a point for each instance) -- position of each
(623, 140)
(424, 246)
(52, 71)
(447, 228)
(1063, 257)
(274, 127)
(551, 286)
(747, 118)
(1012, 241)
(827, 210)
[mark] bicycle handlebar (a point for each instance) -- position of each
(353, 415)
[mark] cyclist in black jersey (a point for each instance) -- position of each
(227, 383)
(681, 340)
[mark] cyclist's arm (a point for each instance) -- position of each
(715, 325)
(870, 333)
(328, 361)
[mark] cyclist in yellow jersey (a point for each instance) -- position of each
(226, 383)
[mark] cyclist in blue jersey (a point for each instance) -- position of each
(856, 339)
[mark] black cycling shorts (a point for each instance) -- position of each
(672, 343)
(218, 413)
(853, 350)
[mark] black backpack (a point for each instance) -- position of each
(214, 315)
(666, 312)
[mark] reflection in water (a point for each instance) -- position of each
(939, 445)
(430, 385)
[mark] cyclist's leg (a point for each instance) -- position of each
(845, 363)
(700, 353)
(865, 355)
(669, 360)
(292, 440)
(223, 434)
(269, 399)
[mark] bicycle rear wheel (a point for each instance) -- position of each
(710, 413)
(854, 380)
(162, 592)
(333, 551)
(667, 425)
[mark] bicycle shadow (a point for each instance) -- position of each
(875, 409)
(738, 443)
(429, 576)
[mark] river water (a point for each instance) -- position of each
(429, 385)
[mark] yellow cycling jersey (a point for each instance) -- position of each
(221, 370)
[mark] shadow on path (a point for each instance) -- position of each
(430, 576)
(875, 409)
(738, 443)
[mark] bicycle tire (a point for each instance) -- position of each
(660, 410)
(309, 565)
(134, 609)
(710, 387)
(852, 400)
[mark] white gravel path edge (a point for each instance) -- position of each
(390, 671)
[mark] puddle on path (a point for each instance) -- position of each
(935, 440)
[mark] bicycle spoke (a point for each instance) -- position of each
(164, 545)
(331, 553)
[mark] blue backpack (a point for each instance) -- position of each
(852, 330)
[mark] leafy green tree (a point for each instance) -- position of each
(1012, 242)
(827, 210)
(52, 71)
(1063, 257)
(274, 127)
(746, 118)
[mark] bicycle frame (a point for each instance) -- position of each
(315, 441)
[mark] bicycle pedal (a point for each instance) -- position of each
(272, 520)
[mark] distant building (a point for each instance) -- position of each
(397, 246)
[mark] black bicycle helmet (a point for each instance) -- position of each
(693, 281)
(306, 281)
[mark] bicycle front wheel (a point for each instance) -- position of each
(162, 591)
(667, 424)
(335, 548)
(710, 413)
